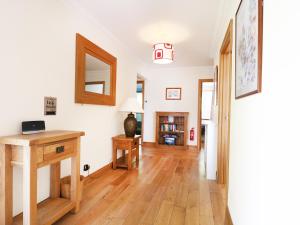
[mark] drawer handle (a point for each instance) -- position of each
(60, 149)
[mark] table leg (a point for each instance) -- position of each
(75, 178)
(6, 185)
(29, 185)
(129, 158)
(55, 180)
(114, 149)
(137, 155)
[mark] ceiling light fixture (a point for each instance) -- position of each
(163, 53)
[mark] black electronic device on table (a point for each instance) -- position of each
(33, 127)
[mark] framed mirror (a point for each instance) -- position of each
(95, 74)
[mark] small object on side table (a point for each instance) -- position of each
(130, 123)
(130, 144)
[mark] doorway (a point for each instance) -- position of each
(140, 92)
(205, 100)
(224, 103)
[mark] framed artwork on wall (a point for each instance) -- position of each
(173, 93)
(248, 48)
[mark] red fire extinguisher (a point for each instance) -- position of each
(192, 134)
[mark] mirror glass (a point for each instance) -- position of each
(97, 75)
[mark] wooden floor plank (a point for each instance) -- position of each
(168, 188)
(164, 213)
(178, 216)
(192, 216)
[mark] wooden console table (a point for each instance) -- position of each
(132, 145)
(32, 152)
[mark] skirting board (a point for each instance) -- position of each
(149, 144)
(228, 220)
(96, 174)
(153, 145)
(192, 147)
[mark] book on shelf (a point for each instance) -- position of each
(168, 127)
(171, 119)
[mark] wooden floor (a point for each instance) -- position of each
(168, 188)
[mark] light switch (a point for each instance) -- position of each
(50, 106)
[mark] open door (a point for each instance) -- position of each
(224, 98)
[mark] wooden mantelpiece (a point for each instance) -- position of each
(31, 152)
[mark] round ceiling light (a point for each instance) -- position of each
(163, 53)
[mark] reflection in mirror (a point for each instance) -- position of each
(97, 76)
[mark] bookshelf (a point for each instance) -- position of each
(171, 129)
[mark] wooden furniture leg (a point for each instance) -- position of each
(129, 158)
(55, 180)
(29, 186)
(137, 155)
(6, 181)
(32, 152)
(114, 149)
(75, 178)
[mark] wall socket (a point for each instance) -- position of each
(86, 167)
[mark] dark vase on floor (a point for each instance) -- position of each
(130, 125)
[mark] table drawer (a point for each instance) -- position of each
(122, 144)
(59, 149)
(17, 154)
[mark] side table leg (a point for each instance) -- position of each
(75, 178)
(6, 185)
(29, 185)
(137, 155)
(114, 154)
(55, 180)
(129, 158)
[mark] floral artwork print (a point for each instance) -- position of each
(247, 48)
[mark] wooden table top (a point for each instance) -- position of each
(122, 137)
(40, 138)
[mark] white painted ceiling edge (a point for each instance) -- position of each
(218, 29)
(195, 20)
(92, 19)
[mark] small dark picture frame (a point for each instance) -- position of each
(173, 93)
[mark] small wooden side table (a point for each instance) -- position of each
(132, 145)
(32, 152)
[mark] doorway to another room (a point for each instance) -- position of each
(140, 88)
(206, 89)
(224, 104)
(205, 104)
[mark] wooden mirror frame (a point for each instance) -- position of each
(83, 47)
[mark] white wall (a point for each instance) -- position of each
(210, 153)
(37, 59)
(264, 157)
(157, 80)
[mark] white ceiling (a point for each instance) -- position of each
(189, 25)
